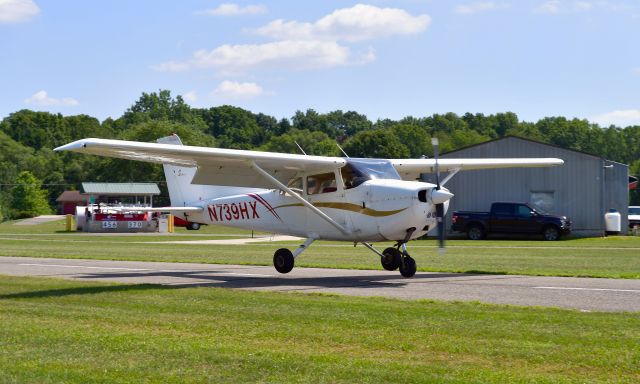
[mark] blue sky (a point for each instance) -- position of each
(386, 59)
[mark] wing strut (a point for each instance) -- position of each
(296, 196)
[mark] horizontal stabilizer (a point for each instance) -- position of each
(159, 209)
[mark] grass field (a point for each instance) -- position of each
(615, 257)
(55, 331)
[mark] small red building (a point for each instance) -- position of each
(69, 200)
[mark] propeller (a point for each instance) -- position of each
(438, 197)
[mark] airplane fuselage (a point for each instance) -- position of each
(376, 210)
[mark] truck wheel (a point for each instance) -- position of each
(475, 232)
(551, 233)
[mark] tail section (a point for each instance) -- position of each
(181, 192)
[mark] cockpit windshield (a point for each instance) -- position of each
(357, 171)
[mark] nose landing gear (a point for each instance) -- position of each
(408, 264)
(393, 258)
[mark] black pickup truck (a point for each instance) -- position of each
(517, 218)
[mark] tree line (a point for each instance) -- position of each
(27, 139)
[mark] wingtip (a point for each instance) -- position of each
(71, 146)
(74, 146)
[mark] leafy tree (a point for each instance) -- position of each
(159, 106)
(28, 199)
(346, 124)
(311, 121)
(505, 122)
(526, 131)
(445, 124)
(416, 139)
(36, 129)
(233, 127)
(381, 143)
(313, 143)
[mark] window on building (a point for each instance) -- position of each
(543, 201)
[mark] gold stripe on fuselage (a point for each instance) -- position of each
(348, 207)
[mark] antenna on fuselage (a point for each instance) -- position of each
(299, 147)
(342, 150)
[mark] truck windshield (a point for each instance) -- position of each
(357, 171)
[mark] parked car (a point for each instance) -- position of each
(634, 216)
(516, 218)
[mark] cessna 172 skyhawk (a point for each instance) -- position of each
(314, 197)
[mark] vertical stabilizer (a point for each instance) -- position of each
(182, 192)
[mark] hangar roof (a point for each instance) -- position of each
(121, 189)
(509, 137)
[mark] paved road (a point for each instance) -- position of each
(611, 295)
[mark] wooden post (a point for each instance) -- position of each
(69, 223)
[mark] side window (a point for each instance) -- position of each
(351, 177)
(296, 185)
(322, 183)
(523, 211)
(503, 209)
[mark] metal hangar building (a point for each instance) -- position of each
(584, 188)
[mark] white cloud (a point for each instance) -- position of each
(358, 23)
(551, 6)
(478, 6)
(17, 11)
(42, 99)
(620, 118)
(229, 9)
(190, 96)
(236, 90)
(299, 45)
(281, 54)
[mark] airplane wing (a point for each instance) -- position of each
(410, 169)
(216, 166)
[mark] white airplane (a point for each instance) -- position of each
(314, 197)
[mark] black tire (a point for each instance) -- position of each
(551, 233)
(391, 259)
(475, 232)
(408, 267)
(283, 260)
(193, 226)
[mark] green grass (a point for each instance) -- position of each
(614, 257)
(56, 331)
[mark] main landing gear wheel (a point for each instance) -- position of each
(193, 226)
(391, 259)
(408, 266)
(283, 260)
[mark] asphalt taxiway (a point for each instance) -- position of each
(587, 294)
